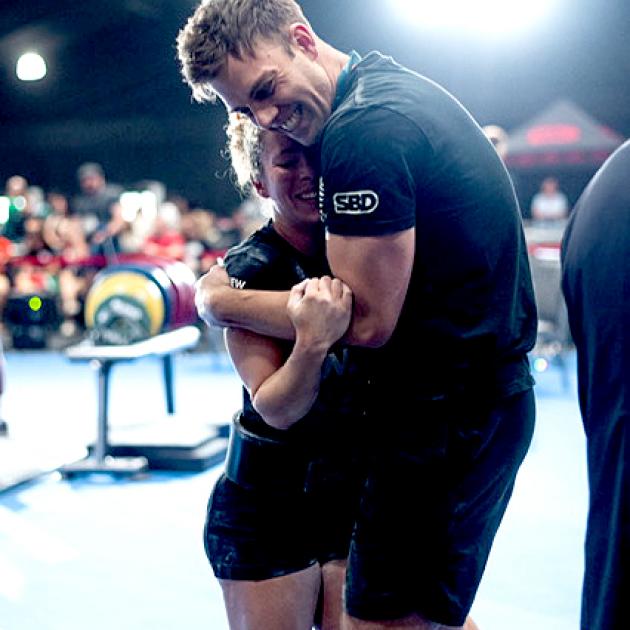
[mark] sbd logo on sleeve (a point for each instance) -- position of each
(356, 202)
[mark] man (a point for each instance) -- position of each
(550, 203)
(20, 209)
(596, 285)
(423, 225)
(98, 207)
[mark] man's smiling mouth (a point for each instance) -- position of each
(290, 124)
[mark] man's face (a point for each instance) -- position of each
(92, 183)
(279, 92)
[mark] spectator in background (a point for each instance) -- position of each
(596, 285)
(550, 204)
(16, 190)
(37, 202)
(64, 235)
(202, 240)
(165, 239)
(37, 269)
(242, 222)
(98, 207)
(4, 428)
(6, 251)
(230, 230)
(499, 138)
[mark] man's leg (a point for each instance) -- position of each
(428, 518)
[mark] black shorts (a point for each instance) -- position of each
(262, 533)
(436, 492)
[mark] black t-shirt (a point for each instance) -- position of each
(94, 210)
(596, 284)
(265, 261)
(400, 152)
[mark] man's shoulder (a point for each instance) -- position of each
(380, 81)
(113, 190)
(381, 73)
(389, 97)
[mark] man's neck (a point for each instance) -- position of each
(333, 62)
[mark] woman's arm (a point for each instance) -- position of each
(220, 304)
(283, 391)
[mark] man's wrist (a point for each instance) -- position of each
(310, 348)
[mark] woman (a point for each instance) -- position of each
(279, 519)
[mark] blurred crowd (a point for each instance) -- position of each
(52, 244)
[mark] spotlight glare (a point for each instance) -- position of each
(5, 208)
(540, 364)
(483, 17)
(131, 202)
(148, 204)
(30, 67)
(19, 202)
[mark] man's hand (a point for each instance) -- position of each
(98, 238)
(206, 290)
(320, 310)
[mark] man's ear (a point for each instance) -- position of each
(260, 188)
(304, 38)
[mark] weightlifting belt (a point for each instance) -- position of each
(257, 462)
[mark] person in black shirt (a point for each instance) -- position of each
(99, 210)
(596, 285)
(279, 519)
(424, 226)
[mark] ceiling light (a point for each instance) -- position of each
(30, 67)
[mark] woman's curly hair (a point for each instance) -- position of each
(245, 147)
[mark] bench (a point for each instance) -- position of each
(163, 345)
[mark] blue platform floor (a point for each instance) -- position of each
(99, 553)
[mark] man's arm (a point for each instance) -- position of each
(283, 392)
(263, 312)
(114, 226)
(377, 269)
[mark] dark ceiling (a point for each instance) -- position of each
(107, 58)
(113, 92)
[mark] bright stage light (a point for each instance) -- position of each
(483, 17)
(131, 202)
(30, 67)
(5, 209)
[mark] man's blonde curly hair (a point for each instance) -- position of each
(219, 28)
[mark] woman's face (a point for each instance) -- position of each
(288, 177)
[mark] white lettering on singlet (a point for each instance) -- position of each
(237, 283)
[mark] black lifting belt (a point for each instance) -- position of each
(253, 461)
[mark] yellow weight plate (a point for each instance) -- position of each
(127, 283)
